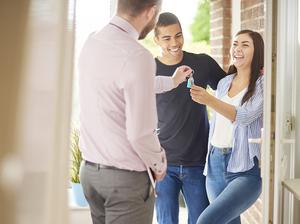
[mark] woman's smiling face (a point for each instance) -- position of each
(241, 51)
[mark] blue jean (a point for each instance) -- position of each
(191, 182)
(230, 194)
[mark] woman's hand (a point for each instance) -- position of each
(200, 95)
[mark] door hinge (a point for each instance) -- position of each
(290, 123)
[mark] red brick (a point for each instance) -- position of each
(217, 32)
(226, 41)
(250, 3)
(216, 14)
(258, 11)
(217, 23)
(227, 13)
(216, 42)
(215, 4)
(246, 14)
(251, 24)
(220, 30)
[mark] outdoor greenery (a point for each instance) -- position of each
(201, 26)
(76, 156)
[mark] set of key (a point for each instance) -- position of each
(190, 80)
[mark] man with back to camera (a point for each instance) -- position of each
(183, 123)
(118, 117)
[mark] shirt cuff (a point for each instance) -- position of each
(160, 166)
(163, 84)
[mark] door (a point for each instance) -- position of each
(287, 106)
(267, 142)
(36, 63)
(13, 15)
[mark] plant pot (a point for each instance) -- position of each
(78, 195)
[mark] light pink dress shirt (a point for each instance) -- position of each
(118, 116)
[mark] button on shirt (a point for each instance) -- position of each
(117, 100)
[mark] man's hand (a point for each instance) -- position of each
(180, 74)
(159, 177)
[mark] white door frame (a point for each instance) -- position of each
(266, 134)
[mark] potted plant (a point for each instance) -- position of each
(76, 159)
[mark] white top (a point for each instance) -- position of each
(223, 132)
(118, 115)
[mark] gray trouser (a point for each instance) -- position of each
(117, 196)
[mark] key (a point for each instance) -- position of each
(190, 81)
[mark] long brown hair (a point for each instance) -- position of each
(257, 63)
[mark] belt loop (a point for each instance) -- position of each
(226, 150)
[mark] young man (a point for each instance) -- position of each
(118, 117)
(183, 124)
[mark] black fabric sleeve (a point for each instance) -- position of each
(215, 73)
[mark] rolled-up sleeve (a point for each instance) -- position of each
(141, 114)
(251, 110)
(163, 84)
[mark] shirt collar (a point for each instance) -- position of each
(126, 26)
(227, 84)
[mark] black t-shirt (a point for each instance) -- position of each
(183, 123)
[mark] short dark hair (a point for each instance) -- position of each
(135, 7)
(165, 19)
(257, 63)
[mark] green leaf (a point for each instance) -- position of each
(76, 156)
(200, 28)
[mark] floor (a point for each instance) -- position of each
(79, 216)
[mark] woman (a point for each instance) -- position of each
(233, 179)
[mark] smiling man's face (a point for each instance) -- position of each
(170, 39)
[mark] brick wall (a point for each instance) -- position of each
(252, 15)
(220, 31)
